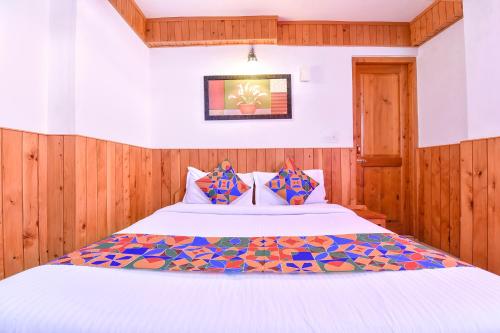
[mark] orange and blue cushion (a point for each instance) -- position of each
(292, 184)
(222, 186)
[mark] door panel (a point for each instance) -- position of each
(382, 114)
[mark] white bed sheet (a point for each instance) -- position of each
(86, 299)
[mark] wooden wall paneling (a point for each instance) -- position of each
(134, 154)
(12, 173)
(102, 183)
(203, 157)
(188, 31)
(280, 158)
(345, 176)
(69, 202)
(455, 200)
(184, 163)
(120, 220)
(327, 170)
(110, 187)
(80, 191)
(480, 206)
(30, 200)
(175, 175)
(261, 160)
(42, 200)
(141, 183)
(445, 199)
(419, 234)
(354, 188)
(466, 201)
(252, 160)
(308, 158)
(299, 157)
(213, 159)
(289, 153)
(232, 155)
(156, 181)
(55, 196)
(318, 158)
(494, 205)
(194, 158)
(427, 199)
(165, 177)
(435, 197)
(270, 158)
(332, 33)
(435, 18)
(242, 160)
(336, 178)
(91, 190)
(127, 213)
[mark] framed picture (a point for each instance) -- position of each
(233, 97)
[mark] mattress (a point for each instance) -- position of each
(53, 298)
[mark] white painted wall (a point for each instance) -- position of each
(23, 64)
(482, 49)
(322, 108)
(112, 77)
(442, 101)
(73, 66)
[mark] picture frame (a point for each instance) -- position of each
(241, 97)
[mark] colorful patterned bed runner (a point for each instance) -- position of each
(311, 254)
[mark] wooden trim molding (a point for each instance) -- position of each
(224, 30)
(434, 19)
(330, 33)
(60, 192)
(132, 14)
(190, 31)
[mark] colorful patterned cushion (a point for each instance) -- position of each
(292, 184)
(222, 186)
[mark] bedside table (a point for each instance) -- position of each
(374, 217)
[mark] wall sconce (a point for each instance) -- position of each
(251, 55)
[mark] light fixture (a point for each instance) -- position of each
(251, 54)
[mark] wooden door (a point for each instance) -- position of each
(381, 132)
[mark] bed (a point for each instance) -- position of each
(61, 298)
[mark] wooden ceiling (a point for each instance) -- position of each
(191, 31)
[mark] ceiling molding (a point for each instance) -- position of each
(434, 19)
(226, 30)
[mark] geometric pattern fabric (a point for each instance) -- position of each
(305, 254)
(292, 184)
(222, 186)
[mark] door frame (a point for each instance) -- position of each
(410, 206)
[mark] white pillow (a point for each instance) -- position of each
(194, 195)
(265, 197)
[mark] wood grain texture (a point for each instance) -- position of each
(56, 191)
(132, 14)
(438, 200)
(467, 215)
(12, 197)
(438, 16)
(332, 33)
(223, 30)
